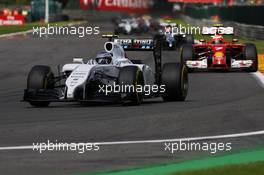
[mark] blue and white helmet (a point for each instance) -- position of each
(104, 58)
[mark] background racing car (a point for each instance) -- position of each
(127, 26)
(220, 54)
(172, 37)
(135, 25)
(81, 82)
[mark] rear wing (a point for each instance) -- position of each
(218, 30)
(132, 44)
(136, 44)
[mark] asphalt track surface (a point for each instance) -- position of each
(218, 103)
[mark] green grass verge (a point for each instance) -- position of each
(256, 168)
(194, 165)
(28, 26)
(258, 43)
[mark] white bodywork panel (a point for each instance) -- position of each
(77, 78)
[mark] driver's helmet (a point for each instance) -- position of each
(104, 58)
(217, 39)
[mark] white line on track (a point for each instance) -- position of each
(238, 135)
(260, 78)
(16, 33)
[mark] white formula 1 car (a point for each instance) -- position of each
(127, 27)
(95, 79)
(173, 38)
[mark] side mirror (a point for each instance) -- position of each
(202, 40)
(235, 40)
(78, 60)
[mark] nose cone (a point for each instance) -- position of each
(219, 61)
(219, 58)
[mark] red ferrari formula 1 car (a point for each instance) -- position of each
(220, 54)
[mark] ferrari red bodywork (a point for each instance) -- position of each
(225, 55)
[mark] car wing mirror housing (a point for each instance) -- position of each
(78, 60)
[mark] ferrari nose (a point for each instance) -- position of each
(219, 58)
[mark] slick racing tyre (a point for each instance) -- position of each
(129, 78)
(250, 53)
(40, 77)
(175, 79)
(187, 54)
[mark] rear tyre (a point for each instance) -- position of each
(250, 53)
(40, 77)
(175, 79)
(130, 77)
(187, 54)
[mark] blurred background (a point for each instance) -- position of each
(244, 11)
(244, 15)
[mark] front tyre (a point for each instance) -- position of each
(250, 53)
(175, 79)
(130, 77)
(187, 54)
(40, 77)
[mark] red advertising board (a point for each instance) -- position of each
(134, 6)
(10, 20)
(198, 1)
